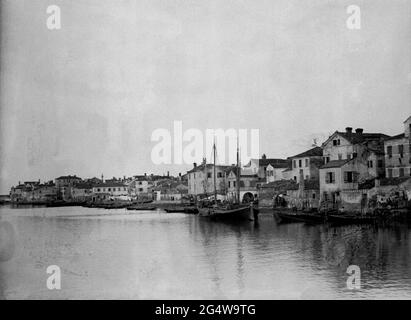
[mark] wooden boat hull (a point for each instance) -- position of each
(345, 219)
(299, 217)
(235, 214)
(141, 208)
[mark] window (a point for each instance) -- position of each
(219, 174)
(306, 162)
(109, 189)
(295, 178)
(300, 163)
(336, 142)
(370, 164)
(389, 151)
(326, 160)
(208, 174)
(350, 177)
(313, 195)
(229, 184)
(330, 177)
(294, 163)
(401, 150)
(234, 184)
(389, 173)
(140, 189)
(401, 172)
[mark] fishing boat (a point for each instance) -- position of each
(141, 208)
(299, 217)
(350, 219)
(235, 211)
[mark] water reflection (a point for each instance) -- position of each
(112, 254)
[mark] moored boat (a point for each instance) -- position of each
(350, 219)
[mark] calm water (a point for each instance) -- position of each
(115, 254)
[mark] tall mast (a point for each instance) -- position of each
(238, 173)
(215, 179)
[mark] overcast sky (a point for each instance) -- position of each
(85, 99)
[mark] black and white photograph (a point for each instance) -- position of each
(205, 150)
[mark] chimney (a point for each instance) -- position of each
(264, 156)
(376, 182)
(168, 173)
(359, 130)
(195, 164)
(145, 174)
(348, 130)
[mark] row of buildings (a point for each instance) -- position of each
(351, 170)
(71, 188)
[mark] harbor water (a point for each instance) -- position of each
(120, 254)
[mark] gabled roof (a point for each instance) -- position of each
(398, 136)
(209, 166)
(335, 164)
(393, 181)
(109, 185)
(356, 138)
(279, 165)
(314, 152)
(68, 177)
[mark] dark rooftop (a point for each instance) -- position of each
(335, 163)
(314, 152)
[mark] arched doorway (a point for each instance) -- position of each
(248, 197)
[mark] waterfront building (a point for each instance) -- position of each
(33, 192)
(110, 191)
(201, 179)
(170, 191)
(397, 153)
(306, 165)
(275, 171)
(249, 184)
(259, 166)
(64, 185)
(82, 191)
(349, 159)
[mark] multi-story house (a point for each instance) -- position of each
(82, 191)
(350, 158)
(105, 191)
(33, 191)
(64, 185)
(259, 166)
(201, 179)
(306, 165)
(397, 153)
(248, 185)
(275, 171)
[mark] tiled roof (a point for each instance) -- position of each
(355, 138)
(281, 185)
(272, 161)
(314, 152)
(109, 185)
(280, 165)
(335, 164)
(393, 181)
(398, 136)
(312, 184)
(209, 165)
(68, 177)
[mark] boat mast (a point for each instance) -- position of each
(215, 180)
(238, 173)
